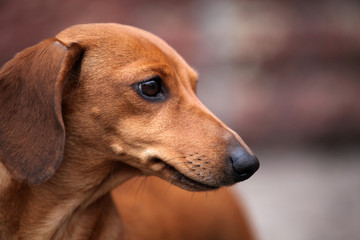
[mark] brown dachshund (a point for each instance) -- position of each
(86, 111)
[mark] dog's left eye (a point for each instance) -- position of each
(152, 89)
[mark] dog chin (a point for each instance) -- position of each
(194, 186)
(161, 169)
(179, 179)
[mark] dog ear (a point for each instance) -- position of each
(32, 133)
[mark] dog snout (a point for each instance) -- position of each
(243, 164)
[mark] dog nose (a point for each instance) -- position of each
(244, 164)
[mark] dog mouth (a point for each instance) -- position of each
(174, 176)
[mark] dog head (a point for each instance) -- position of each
(128, 94)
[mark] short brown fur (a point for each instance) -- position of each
(72, 128)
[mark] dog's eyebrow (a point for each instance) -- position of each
(159, 68)
(163, 70)
(193, 75)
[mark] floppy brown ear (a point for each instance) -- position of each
(32, 133)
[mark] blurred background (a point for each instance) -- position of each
(284, 74)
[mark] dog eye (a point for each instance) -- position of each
(152, 89)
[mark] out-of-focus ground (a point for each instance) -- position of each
(284, 74)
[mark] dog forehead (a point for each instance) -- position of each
(117, 37)
(115, 40)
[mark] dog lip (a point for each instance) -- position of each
(181, 179)
(192, 184)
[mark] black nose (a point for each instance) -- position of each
(244, 164)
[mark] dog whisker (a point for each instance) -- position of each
(112, 169)
(139, 188)
(171, 182)
(132, 184)
(192, 196)
(144, 186)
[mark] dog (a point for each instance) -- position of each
(86, 111)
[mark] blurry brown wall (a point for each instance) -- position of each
(275, 71)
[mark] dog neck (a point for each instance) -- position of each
(55, 209)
